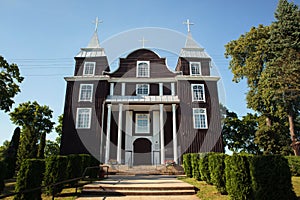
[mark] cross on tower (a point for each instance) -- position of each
(143, 42)
(188, 23)
(97, 22)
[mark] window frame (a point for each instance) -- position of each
(80, 92)
(193, 96)
(85, 66)
(137, 131)
(140, 84)
(205, 118)
(138, 74)
(89, 118)
(200, 71)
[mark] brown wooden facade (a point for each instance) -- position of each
(114, 97)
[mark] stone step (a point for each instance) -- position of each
(134, 192)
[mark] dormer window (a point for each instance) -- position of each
(142, 89)
(89, 68)
(143, 69)
(195, 68)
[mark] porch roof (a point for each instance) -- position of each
(143, 99)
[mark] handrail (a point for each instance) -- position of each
(54, 184)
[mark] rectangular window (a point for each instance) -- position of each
(89, 68)
(86, 92)
(195, 68)
(143, 69)
(198, 93)
(142, 123)
(200, 118)
(83, 118)
(142, 89)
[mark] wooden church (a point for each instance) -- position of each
(142, 113)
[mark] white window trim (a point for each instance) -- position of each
(137, 86)
(194, 119)
(85, 63)
(77, 117)
(193, 99)
(80, 90)
(136, 124)
(137, 68)
(200, 72)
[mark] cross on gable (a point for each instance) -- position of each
(97, 22)
(143, 42)
(188, 23)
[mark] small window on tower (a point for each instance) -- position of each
(198, 93)
(86, 92)
(142, 89)
(200, 118)
(195, 68)
(83, 118)
(89, 68)
(143, 69)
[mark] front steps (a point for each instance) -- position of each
(146, 170)
(151, 185)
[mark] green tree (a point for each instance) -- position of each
(239, 134)
(3, 149)
(51, 148)
(10, 155)
(9, 79)
(58, 129)
(268, 57)
(35, 121)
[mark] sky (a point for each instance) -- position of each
(43, 37)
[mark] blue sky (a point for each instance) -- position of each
(43, 37)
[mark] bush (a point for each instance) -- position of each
(89, 161)
(216, 164)
(187, 165)
(3, 171)
(55, 172)
(237, 175)
(30, 176)
(204, 167)
(271, 178)
(74, 169)
(195, 158)
(294, 164)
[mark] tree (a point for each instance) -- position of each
(284, 67)
(9, 79)
(58, 129)
(35, 121)
(239, 134)
(3, 149)
(51, 148)
(10, 155)
(268, 57)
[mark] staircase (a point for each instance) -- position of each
(138, 185)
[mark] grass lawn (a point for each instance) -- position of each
(209, 192)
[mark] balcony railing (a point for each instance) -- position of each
(143, 99)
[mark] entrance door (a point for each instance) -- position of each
(142, 151)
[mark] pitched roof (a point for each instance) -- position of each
(93, 49)
(192, 49)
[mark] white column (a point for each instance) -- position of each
(111, 92)
(161, 89)
(162, 140)
(175, 151)
(173, 89)
(119, 148)
(107, 146)
(123, 89)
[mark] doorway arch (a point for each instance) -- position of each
(142, 151)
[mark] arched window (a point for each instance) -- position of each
(143, 69)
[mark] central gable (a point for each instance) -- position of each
(152, 65)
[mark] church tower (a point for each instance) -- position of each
(86, 91)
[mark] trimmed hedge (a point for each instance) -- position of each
(238, 179)
(204, 168)
(30, 176)
(195, 161)
(294, 163)
(271, 178)
(55, 172)
(217, 171)
(187, 165)
(3, 171)
(74, 169)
